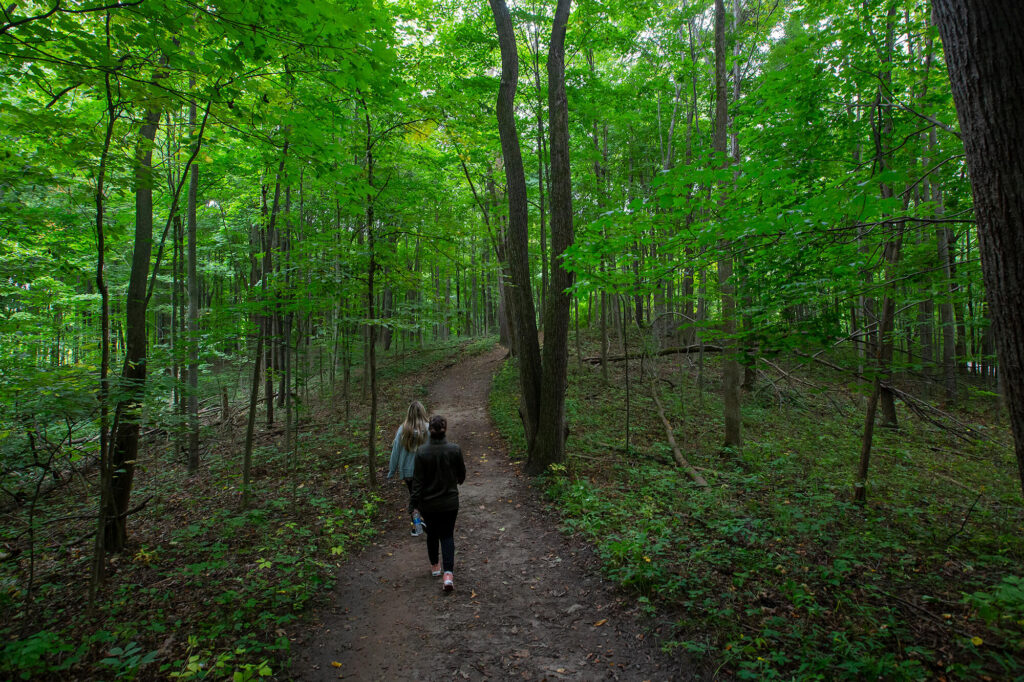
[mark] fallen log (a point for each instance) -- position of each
(676, 454)
(676, 350)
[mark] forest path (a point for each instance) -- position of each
(529, 602)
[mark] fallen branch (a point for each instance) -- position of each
(676, 454)
(591, 457)
(925, 612)
(136, 508)
(966, 516)
(778, 393)
(791, 378)
(664, 351)
(92, 532)
(919, 407)
(951, 480)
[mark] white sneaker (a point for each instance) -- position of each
(449, 582)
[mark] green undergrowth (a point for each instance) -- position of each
(208, 596)
(206, 589)
(772, 572)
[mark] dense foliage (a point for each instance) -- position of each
(213, 212)
(772, 571)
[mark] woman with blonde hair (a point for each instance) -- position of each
(411, 434)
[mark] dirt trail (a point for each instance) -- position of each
(528, 601)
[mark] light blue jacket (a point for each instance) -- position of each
(402, 460)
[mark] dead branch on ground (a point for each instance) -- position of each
(676, 454)
(678, 350)
(924, 410)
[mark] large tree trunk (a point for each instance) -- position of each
(551, 430)
(730, 363)
(541, 174)
(986, 70)
(125, 447)
(522, 315)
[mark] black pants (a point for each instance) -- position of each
(441, 530)
(408, 485)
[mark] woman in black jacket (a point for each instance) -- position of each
(437, 474)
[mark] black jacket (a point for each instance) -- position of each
(437, 474)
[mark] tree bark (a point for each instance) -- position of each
(99, 548)
(541, 174)
(986, 71)
(549, 446)
(193, 310)
(250, 427)
(522, 315)
(883, 132)
(946, 318)
(860, 486)
(127, 417)
(730, 363)
(268, 269)
(371, 329)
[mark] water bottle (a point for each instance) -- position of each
(417, 525)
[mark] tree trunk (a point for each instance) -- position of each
(946, 321)
(860, 486)
(730, 363)
(371, 328)
(549, 447)
(986, 70)
(133, 376)
(522, 315)
(288, 349)
(749, 349)
(193, 310)
(883, 132)
(268, 268)
(176, 266)
(250, 427)
(541, 174)
(99, 548)
(604, 335)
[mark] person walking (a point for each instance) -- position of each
(411, 434)
(438, 472)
